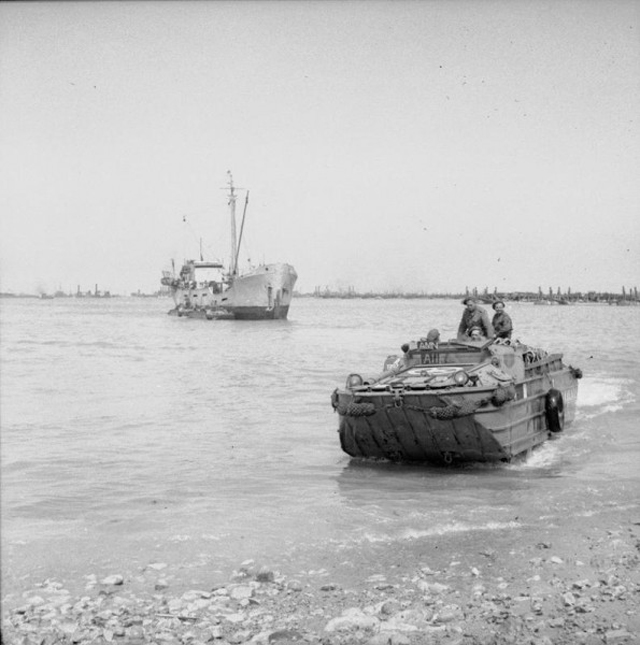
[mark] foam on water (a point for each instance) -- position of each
(601, 394)
(438, 531)
(542, 458)
(446, 529)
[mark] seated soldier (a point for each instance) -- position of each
(433, 339)
(474, 316)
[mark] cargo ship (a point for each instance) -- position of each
(212, 291)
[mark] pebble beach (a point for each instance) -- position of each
(574, 583)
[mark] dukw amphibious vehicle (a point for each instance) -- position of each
(457, 402)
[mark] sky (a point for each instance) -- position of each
(386, 145)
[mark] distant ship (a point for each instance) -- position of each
(209, 290)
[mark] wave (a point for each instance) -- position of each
(438, 531)
(601, 395)
(542, 458)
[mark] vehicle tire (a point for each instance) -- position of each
(554, 410)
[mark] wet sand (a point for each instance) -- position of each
(573, 582)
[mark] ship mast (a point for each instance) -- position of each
(232, 211)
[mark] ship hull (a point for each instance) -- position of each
(261, 313)
(264, 293)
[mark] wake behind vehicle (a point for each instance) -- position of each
(457, 402)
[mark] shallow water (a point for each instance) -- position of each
(131, 437)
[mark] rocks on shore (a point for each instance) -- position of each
(545, 600)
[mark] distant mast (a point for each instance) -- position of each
(232, 210)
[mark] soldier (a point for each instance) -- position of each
(502, 325)
(433, 339)
(474, 316)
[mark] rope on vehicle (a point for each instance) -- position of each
(500, 396)
(503, 394)
(456, 410)
(356, 409)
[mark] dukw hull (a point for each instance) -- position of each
(264, 293)
(400, 419)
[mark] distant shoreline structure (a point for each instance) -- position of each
(79, 293)
(86, 295)
(624, 297)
